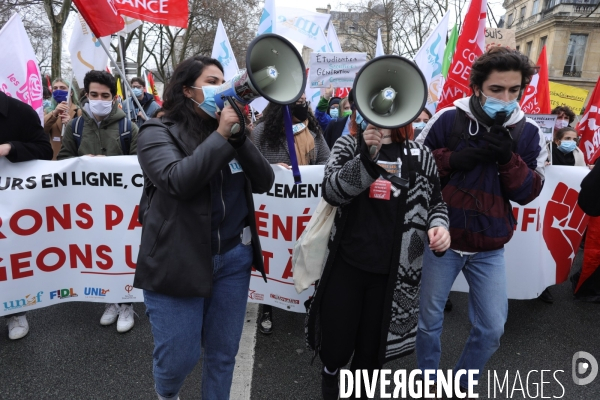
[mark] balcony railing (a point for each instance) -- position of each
(572, 74)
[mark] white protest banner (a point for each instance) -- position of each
(546, 123)
(429, 59)
(86, 52)
(267, 18)
(222, 51)
(281, 216)
(337, 69)
(313, 95)
(69, 232)
(20, 76)
(131, 24)
(303, 26)
(332, 38)
(546, 238)
(500, 37)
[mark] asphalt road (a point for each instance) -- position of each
(68, 355)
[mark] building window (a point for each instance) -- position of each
(522, 15)
(543, 42)
(511, 19)
(528, 49)
(536, 4)
(575, 53)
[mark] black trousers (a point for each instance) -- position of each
(351, 317)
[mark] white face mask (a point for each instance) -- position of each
(101, 108)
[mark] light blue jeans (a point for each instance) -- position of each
(181, 325)
(488, 306)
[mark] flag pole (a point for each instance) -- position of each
(111, 58)
(62, 133)
(122, 54)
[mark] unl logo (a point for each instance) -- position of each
(564, 224)
(128, 288)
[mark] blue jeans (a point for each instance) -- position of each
(488, 306)
(181, 325)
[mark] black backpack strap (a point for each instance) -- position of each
(125, 135)
(458, 129)
(77, 130)
(516, 131)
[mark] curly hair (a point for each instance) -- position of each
(274, 128)
(564, 109)
(101, 77)
(501, 59)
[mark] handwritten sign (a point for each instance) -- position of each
(337, 69)
(566, 95)
(500, 37)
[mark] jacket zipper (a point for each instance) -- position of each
(222, 219)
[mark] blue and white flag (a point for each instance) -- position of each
(266, 24)
(222, 51)
(303, 26)
(429, 58)
(333, 40)
(379, 49)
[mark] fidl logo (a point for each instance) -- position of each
(62, 293)
(95, 292)
(25, 302)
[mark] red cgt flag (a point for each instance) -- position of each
(104, 16)
(471, 44)
(536, 99)
(589, 128)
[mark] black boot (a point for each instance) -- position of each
(265, 325)
(329, 385)
(546, 296)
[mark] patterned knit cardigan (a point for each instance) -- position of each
(347, 174)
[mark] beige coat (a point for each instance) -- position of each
(53, 127)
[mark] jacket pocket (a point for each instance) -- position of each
(153, 251)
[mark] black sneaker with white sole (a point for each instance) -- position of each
(329, 385)
(265, 325)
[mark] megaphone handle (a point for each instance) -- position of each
(237, 130)
(372, 150)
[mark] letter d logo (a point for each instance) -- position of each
(580, 368)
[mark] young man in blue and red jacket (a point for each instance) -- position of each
(488, 153)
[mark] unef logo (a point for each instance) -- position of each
(584, 364)
(128, 296)
(29, 300)
(95, 292)
(62, 294)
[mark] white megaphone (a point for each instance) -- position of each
(274, 70)
(390, 91)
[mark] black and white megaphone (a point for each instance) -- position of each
(274, 70)
(390, 91)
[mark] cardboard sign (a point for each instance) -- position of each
(337, 69)
(500, 37)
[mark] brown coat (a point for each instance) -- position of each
(53, 127)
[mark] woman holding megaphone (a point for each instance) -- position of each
(199, 239)
(390, 206)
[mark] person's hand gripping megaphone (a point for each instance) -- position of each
(374, 137)
(228, 117)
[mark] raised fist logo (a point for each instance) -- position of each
(564, 224)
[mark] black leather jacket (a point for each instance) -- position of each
(175, 253)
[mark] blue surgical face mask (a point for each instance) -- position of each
(567, 146)
(334, 112)
(137, 92)
(208, 105)
(360, 121)
(60, 95)
(418, 125)
(493, 106)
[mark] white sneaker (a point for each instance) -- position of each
(125, 321)
(110, 314)
(17, 327)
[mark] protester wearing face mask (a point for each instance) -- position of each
(47, 102)
(146, 100)
(328, 109)
(565, 117)
(341, 126)
(57, 117)
(101, 136)
(488, 154)
(421, 121)
(563, 150)
(199, 239)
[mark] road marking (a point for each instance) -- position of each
(244, 361)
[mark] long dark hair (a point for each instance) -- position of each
(274, 128)
(194, 129)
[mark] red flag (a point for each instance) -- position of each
(589, 128)
(48, 82)
(153, 87)
(471, 43)
(104, 17)
(342, 92)
(536, 99)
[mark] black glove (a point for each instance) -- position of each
(500, 143)
(469, 157)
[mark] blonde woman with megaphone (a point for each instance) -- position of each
(389, 207)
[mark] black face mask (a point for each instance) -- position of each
(300, 111)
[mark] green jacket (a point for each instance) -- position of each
(97, 139)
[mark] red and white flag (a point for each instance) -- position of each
(104, 17)
(589, 128)
(152, 87)
(536, 99)
(471, 44)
